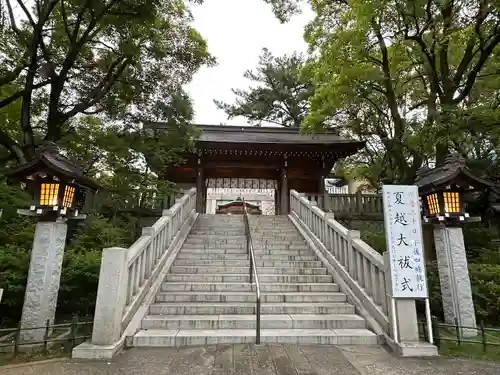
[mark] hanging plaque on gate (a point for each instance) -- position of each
(403, 231)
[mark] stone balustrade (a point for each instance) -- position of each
(357, 264)
(359, 204)
(126, 275)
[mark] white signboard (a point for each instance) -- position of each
(403, 231)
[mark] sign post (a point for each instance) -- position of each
(403, 230)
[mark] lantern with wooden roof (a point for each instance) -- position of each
(443, 189)
(57, 185)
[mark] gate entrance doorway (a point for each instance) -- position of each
(260, 193)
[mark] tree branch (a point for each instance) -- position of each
(115, 70)
(27, 13)
(12, 19)
(11, 76)
(65, 21)
(12, 98)
(472, 75)
(13, 147)
(469, 49)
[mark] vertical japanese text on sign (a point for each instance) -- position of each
(403, 229)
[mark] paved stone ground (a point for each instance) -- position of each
(261, 360)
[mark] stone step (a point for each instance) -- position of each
(239, 225)
(244, 270)
(300, 321)
(232, 308)
(242, 242)
(291, 235)
(178, 338)
(263, 278)
(232, 250)
(242, 287)
(184, 296)
(239, 237)
(245, 262)
(241, 256)
(243, 245)
(226, 227)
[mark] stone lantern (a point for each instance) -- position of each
(442, 191)
(58, 188)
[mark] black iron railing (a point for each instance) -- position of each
(254, 277)
(451, 336)
(57, 340)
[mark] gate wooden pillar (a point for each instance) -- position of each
(284, 194)
(200, 188)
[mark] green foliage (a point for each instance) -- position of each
(279, 96)
(79, 281)
(82, 261)
(122, 60)
(98, 232)
(485, 291)
(15, 230)
(375, 237)
(14, 264)
(480, 246)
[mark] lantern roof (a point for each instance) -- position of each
(48, 159)
(454, 171)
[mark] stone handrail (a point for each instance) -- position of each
(354, 204)
(355, 262)
(126, 275)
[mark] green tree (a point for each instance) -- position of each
(400, 74)
(117, 59)
(278, 94)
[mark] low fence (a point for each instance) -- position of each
(126, 275)
(452, 334)
(58, 339)
(358, 204)
(360, 266)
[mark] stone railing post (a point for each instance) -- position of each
(111, 296)
(359, 202)
(328, 243)
(351, 260)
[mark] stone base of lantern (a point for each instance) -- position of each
(44, 275)
(456, 290)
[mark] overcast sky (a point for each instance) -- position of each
(236, 31)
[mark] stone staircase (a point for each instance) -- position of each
(206, 297)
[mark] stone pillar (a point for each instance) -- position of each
(44, 275)
(284, 194)
(205, 195)
(406, 311)
(200, 188)
(456, 291)
(111, 296)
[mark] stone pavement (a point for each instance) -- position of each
(273, 359)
